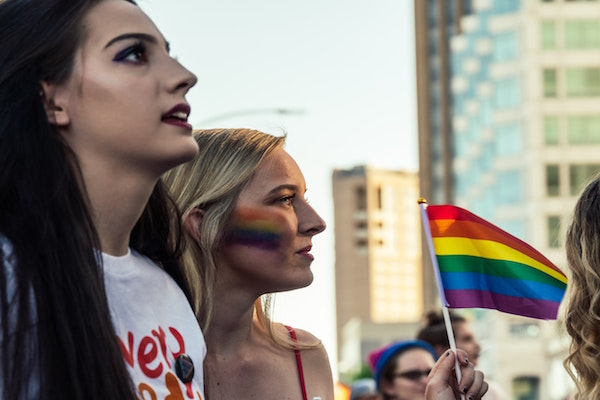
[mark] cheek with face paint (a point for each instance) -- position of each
(256, 228)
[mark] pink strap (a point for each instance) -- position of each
(298, 362)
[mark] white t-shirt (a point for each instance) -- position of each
(155, 325)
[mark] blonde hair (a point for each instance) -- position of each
(583, 305)
(212, 182)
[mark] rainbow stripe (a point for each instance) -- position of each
(255, 228)
(482, 266)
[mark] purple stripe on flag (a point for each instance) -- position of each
(534, 308)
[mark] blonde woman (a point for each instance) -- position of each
(244, 208)
(251, 228)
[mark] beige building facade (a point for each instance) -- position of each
(378, 261)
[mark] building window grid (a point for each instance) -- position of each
(583, 129)
(553, 223)
(579, 175)
(582, 34)
(552, 180)
(582, 82)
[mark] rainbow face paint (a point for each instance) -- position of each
(256, 228)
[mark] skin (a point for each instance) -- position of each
(402, 388)
(442, 385)
(465, 340)
(238, 348)
(110, 113)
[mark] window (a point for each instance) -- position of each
(583, 129)
(582, 82)
(580, 174)
(509, 188)
(507, 93)
(508, 139)
(506, 46)
(549, 82)
(552, 180)
(524, 329)
(548, 35)
(551, 130)
(554, 231)
(361, 199)
(506, 6)
(526, 388)
(379, 199)
(582, 34)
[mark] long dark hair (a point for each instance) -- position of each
(55, 322)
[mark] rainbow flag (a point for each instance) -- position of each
(478, 265)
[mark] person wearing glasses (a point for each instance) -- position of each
(401, 369)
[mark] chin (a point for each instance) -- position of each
(182, 156)
(298, 284)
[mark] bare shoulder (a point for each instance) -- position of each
(316, 367)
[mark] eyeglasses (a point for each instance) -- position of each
(413, 374)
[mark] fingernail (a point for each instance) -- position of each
(471, 397)
(465, 389)
(467, 360)
(447, 354)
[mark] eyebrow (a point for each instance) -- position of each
(280, 187)
(140, 36)
(285, 186)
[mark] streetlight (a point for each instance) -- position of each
(250, 111)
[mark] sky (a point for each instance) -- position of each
(345, 68)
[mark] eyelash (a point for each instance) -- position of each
(287, 199)
(138, 49)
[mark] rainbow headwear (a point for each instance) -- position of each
(378, 358)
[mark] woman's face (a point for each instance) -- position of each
(123, 109)
(268, 243)
(410, 377)
(465, 340)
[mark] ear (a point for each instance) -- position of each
(439, 349)
(387, 387)
(54, 99)
(191, 222)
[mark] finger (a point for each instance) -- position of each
(443, 367)
(441, 382)
(467, 371)
(478, 388)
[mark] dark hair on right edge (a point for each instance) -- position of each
(55, 322)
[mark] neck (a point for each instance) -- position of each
(231, 325)
(116, 203)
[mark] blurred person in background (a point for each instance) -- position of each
(434, 332)
(364, 389)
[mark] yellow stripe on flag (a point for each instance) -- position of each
(450, 246)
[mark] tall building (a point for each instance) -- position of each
(524, 131)
(436, 21)
(378, 275)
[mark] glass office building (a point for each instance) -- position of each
(522, 139)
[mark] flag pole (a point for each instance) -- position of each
(438, 278)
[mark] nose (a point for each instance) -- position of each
(309, 222)
(183, 79)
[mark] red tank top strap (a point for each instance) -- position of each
(298, 362)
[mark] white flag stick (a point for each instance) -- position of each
(436, 269)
